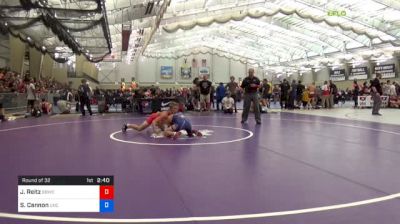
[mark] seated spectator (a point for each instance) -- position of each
(392, 89)
(64, 106)
(2, 113)
(365, 90)
(46, 107)
(394, 102)
(228, 104)
(2, 87)
(35, 112)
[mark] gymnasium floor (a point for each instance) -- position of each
(293, 169)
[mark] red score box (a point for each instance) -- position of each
(106, 192)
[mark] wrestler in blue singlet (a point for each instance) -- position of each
(181, 123)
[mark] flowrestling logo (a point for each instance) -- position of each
(337, 13)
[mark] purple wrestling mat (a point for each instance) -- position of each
(292, 169)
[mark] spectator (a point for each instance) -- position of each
(306, 99)
(376, 94)
(397, 85)
(196, 94)
(285, 87)
(212, 96)
(265, 93)
(205, 90)
(64, 107)
(300, 89)
(220, 94)
(293, 95)
(313, 93)
(228, 103)
(325, 95)
(84, 97)
(2, 113)
(46, 107)
(333, 91)
(356, 93)
(392, 89)
(386, 88)
(31, 95)
(70, 96)
(365, 89)
(233, 89)
(276, 94)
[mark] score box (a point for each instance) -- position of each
(107, 192)
(65, 194)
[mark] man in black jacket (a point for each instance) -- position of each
(250, 85)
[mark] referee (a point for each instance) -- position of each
(250, 85)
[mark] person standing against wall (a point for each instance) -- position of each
(84, 97)
(376, 93)
(250, 85)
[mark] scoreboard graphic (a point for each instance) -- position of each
(66, 194)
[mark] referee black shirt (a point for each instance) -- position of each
(247, 82)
